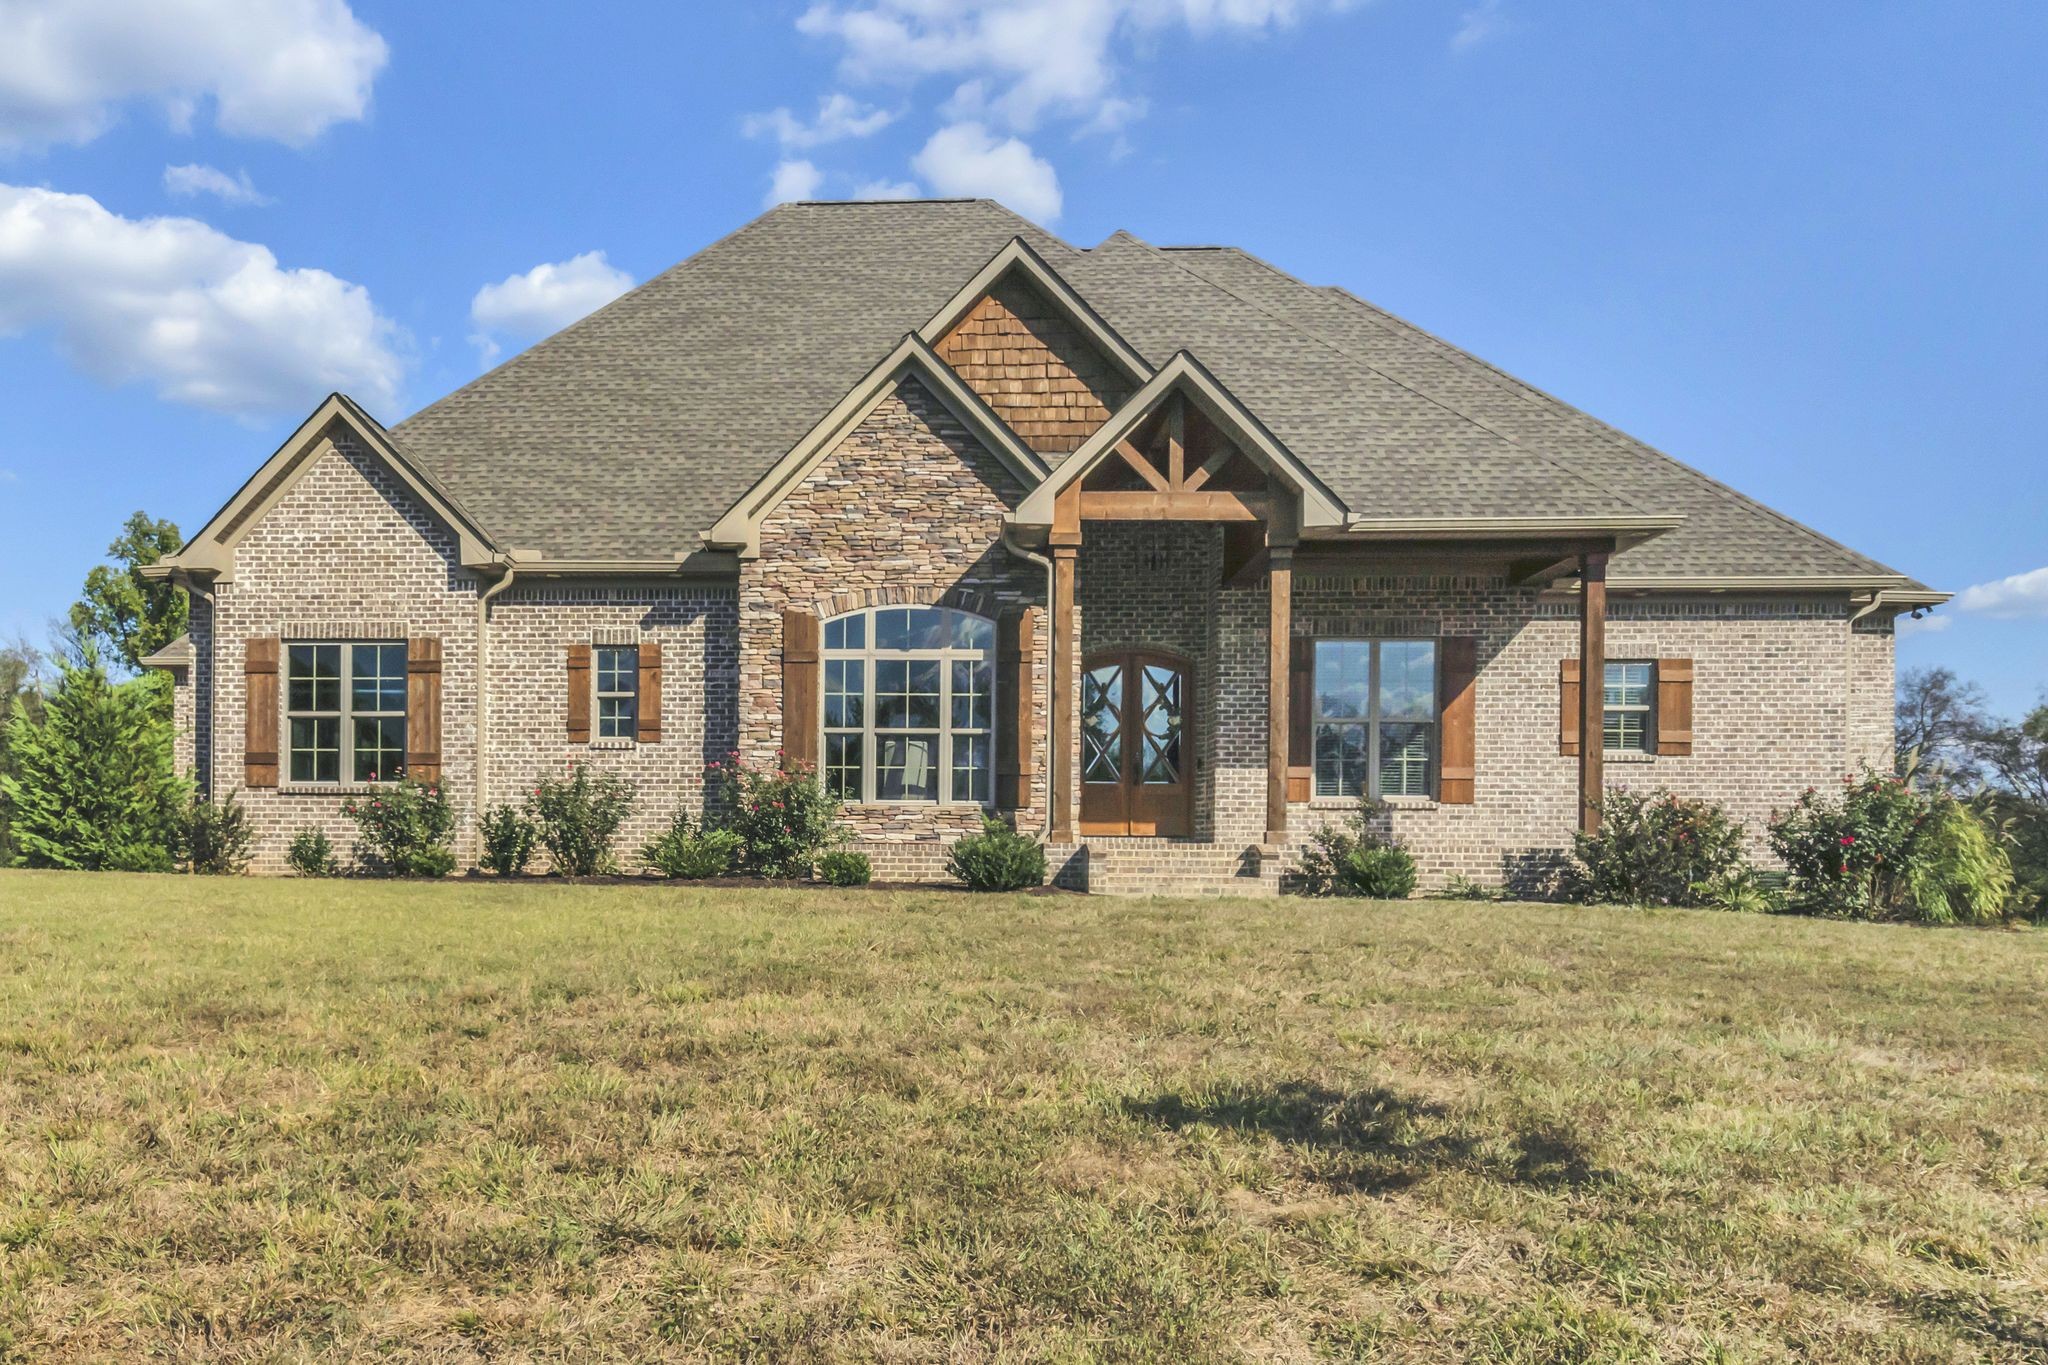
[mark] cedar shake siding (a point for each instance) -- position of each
(1025, 359)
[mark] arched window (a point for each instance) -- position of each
(909, 705)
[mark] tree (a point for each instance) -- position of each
(21, 683)
(1938, 721)
(123, 614)
(92, 785)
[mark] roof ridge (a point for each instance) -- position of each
(1429, 398)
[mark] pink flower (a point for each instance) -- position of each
(1848, 839)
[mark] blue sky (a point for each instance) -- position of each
(1799, 246)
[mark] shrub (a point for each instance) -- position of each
(404, 829)
(217, 837)
(1351, 858)
(1653, 849)
(579, 817)
(312, 854)
(784, 818)
(91, 785)
(997, 859)
(508, 840)
(1885, 850)
(1740, 891)
(845, 867)
(687, 851)
(1463, 888)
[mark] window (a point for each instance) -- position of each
(618, 691)
(1628, 707)
(346, 706)
(1375, 717)
(909, 705)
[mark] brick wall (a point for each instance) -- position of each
(1039, 373)
(908, 508)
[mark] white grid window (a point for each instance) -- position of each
(618, 691)
(909, 706)
(1628, 715)
(1375, 717)
(345, 711)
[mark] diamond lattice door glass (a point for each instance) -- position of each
(1135, 765)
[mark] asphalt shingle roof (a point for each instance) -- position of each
(632, 431)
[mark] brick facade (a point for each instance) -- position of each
(909, 508)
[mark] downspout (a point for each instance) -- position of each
(205, 594)
(1052, 663)
(483, 685)
(1876, 601)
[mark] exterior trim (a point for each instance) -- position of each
(1186, 375)
(1019, 256)
(740, 528)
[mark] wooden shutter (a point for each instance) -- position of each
(259, 733)
(1674, 707)
(801, 716)
(423, 708)
(648, 726)
(1301, 718)
(1568, 707)
(1016, 650)
(1457, 672)
(579, 694)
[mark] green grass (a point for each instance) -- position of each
(246, 1120)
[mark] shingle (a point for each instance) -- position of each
(629, 433)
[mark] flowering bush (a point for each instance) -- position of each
(579, 817)
(405, 829)
(1883, 849)
(784, 818)
(217, 837)
(692, 853)
(1654, 848)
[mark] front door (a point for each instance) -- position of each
(1136, 757)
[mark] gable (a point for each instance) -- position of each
(1027, 361)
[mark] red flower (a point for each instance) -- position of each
(1848, 839)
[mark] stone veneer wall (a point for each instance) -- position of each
(346, 553)
(907, 509)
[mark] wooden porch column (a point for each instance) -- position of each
(1280, 632)
(1592, 685)
(1065, 544)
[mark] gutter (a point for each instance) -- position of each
(1052, 661)
(483, 684)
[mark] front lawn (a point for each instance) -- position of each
(258, 1120)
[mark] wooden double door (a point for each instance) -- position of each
(1137, 755)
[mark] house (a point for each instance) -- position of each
(1158, 552)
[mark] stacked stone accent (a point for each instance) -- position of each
(908, 509)
(1039, 373)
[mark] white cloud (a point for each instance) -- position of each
(2021, 595)
(886, 189)
(1020, 61)
(839, 117)
(281, 69)
(965, 159)
(1924, 625)
(187, 181)
(1482, 23)
(207, 319)
(793, 180)
(545, 299)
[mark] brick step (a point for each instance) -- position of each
(1145, 867)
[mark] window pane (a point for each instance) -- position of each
(907, 767)
(923, 694)
(842, 766)
(929, 628)
(1404, 760)
(616, 717)
(1628, 684)
(1343, 677)
(618, 670)
(892, 629)
(970, 695)
(1407, 680)
(835, 634)
(377, 678)
(379, 748)
(973, 632)
(1628, 731)
(971, 768)
(845, 696)
(1159, 691)
(1102, 735)
(315, 678)
(1340, 759)
(316, 750)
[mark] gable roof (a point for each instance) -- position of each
(632, 433)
